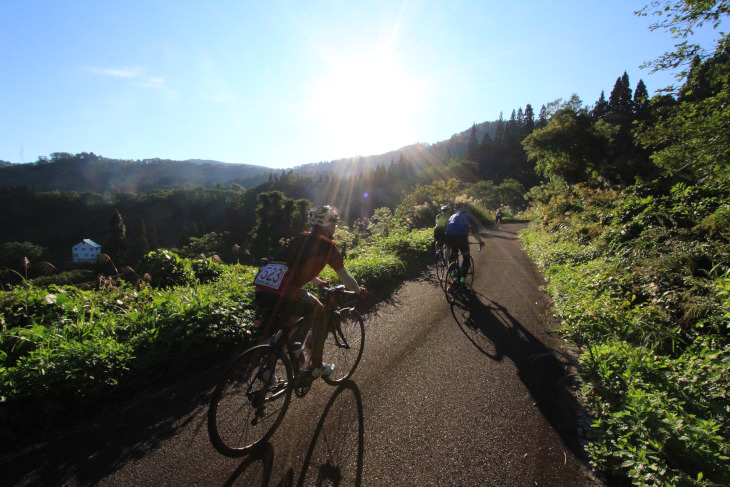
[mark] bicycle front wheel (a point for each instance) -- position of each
(470, 273)
(250, 401)
(344, 345)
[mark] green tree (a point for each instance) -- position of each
(511, 193)
(116, 247)
(472, 149)
(600, 109)
(680, 18)
(141, 244)
(12, 254)
(277, 218)
(620, 102)
(690, 138)
(641, 101)
(529, 120)
(571, 146)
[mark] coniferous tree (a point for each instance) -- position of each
(141, 245)
(529, 120)
(117, 246)
(620, 102)
(542, 118)
(600, 109)
(485, 161)
(473, 147)
(641, 101)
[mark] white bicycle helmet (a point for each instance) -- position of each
(322, 216)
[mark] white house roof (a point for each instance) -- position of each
(91, 242)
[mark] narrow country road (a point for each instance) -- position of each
(465, 395)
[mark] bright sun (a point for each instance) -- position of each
(368, 106)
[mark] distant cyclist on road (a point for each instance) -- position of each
(279, 282)
(460, 225)
(440, 229)
(498, 216)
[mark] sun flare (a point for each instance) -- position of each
(368, 106)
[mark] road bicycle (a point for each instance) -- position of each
(452, 283)
(251, 399)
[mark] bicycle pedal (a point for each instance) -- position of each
(258, 415)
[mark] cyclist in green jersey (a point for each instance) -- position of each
(440, 230)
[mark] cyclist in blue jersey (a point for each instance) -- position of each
(460, 225)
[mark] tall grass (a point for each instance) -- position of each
(640, 286)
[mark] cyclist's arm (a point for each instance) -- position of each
(473, 229)
(349, 281)
(319, 282)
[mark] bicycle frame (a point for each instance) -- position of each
(236, 427)
(283, 338)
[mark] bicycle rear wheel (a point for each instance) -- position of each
(344, 345)
(451, 282)
(250, 401)
(441, 265)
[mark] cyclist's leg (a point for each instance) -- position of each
(438, 236)
(309, 306)
(270, 306)
(463, 244)
(452, 249)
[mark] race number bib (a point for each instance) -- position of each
(271, 275)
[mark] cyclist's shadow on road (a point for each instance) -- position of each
(335, 454)
(544, 371)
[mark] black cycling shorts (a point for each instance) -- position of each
(458, 242)
(272, 306)
(438, 234)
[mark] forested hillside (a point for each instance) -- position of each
(87, 172)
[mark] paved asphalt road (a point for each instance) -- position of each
(474, 394)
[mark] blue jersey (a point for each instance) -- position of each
(458, 224)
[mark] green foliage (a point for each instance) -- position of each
(344, 238)
(660, 421)
(571, 146)
(12, 254)
(639, 279)
(166, 269)
(209, 244)
(207, 270)
(277, 218)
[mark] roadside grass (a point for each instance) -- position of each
(641, 283)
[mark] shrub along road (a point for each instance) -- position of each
(474, 394)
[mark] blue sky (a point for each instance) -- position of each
(283, 83)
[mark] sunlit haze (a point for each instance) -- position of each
(285, 83)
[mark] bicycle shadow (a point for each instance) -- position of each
(335, 453)
(86, 452)
(547, 373)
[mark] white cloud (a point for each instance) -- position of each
(116, 73)
(136, 74)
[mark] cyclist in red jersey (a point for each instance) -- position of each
(279, 282)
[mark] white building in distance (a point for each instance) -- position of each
(86, 251)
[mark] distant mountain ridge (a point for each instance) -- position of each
(421, 154)
(88, 172)
(91, 173)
